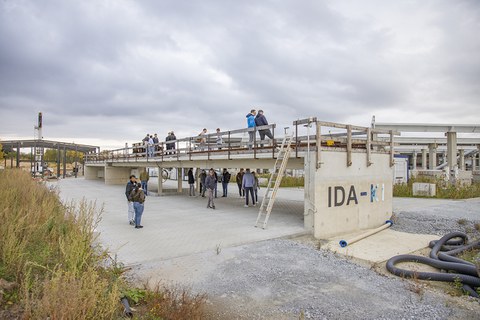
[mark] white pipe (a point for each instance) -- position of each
(344, 243)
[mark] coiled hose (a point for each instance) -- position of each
(443, 257)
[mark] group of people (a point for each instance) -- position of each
(247, 182)
(152, 146)
(255, 119)
(136, 198)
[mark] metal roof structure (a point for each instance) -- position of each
(37, 143)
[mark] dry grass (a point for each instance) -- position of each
(48, 251)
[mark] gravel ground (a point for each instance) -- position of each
(281, 279)
(463, 215)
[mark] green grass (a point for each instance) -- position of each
(49, 251)
(444, 190)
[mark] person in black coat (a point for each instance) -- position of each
(260, 120)
(191, 182)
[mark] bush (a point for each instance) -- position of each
(444, 190)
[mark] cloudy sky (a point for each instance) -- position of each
(106, 72)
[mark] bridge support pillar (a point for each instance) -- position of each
(350, 198)
(424, 159)
(179, 180)
(461, 160)
(432, 156)
(452, 155)
(116, 175)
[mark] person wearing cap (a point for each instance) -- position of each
(251, 124)
(260, 120)
(128, 191)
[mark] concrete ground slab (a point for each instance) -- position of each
(381, 246)
(177, 225)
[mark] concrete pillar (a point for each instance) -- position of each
(452, 155)
(414, 160)
(461, 160)
(116, 175)
(424, 159)
(432, 156)
(179, 180)
(160, 181)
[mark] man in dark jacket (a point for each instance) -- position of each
(225, 180)
(191, 182)
(138, 198)
(260, 120)
(239, 179)
(203, 177)
(128, 190)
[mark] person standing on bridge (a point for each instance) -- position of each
(155, 142)
(210, 183)
(138, 198)
(172, 144)
(128, 191)
(260, 120)
(191, 182)
(251, 124)
(144, 177)
(248, 183)
(202, 139)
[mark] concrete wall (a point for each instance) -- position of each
(116, 175)
(348, 199)
(94, 172)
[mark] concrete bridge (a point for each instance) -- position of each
(348, 175)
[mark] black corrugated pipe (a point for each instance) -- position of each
(127, 311)
(464, 271)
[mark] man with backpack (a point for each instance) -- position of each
(225, 180)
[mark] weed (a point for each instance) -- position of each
(135, 295)
(318, 245)
(218, 249)
(302, 315)
(477, 226)
(462, 222)
(415, 286)
(444, 190)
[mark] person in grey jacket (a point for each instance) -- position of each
(248, 183)
(210, 184)
(203, 177)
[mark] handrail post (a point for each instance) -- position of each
(318, 134)
(369, 147)
(274, 142)
(296, 139)
(162, 148)
(229, 145)
(349, 145)
(392, 160)
(190, 149)
(208, 146)
(177, 149)
(255, 142)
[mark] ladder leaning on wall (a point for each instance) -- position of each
(274, 181)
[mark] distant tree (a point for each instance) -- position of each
(1, 152)
(71, 156)
(50, 155)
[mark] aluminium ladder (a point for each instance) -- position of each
(275, 180)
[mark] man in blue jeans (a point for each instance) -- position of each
(225, 180)
(248, 183)
(138, 198)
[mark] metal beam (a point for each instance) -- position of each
(429, 127)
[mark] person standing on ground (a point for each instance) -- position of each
(138, 198)
(203, 176)
(239, 179)
(144, 177)
(131, 211)
(225, 180)
(191, 182)
(260, 120)
(210, 183)
(219, 139)
(216, 181)
(256, 186)
(251, 124)
(247, 184)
